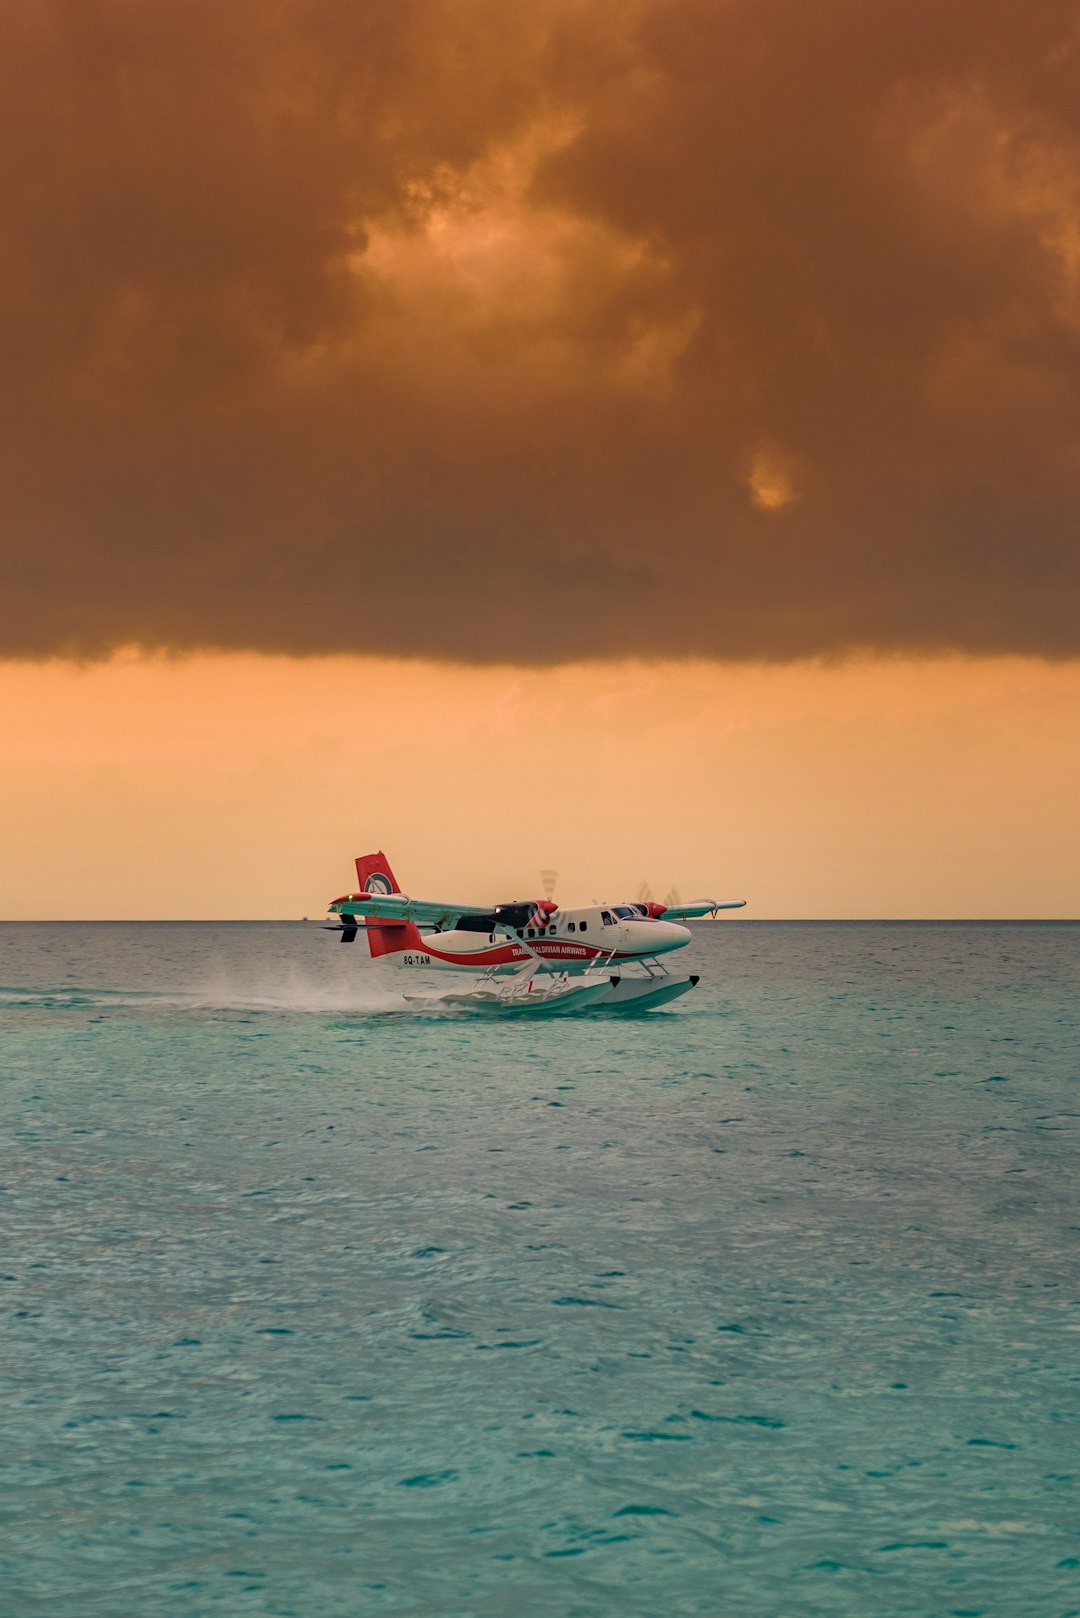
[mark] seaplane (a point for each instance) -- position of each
(528, 955)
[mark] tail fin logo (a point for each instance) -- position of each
(374, 875)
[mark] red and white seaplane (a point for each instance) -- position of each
(531, 955)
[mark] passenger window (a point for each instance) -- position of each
(528, 932)
(571, 926)
(584, 927)
(551, 929)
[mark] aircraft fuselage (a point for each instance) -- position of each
(571, 940)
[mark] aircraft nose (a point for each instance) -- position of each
(665, 935)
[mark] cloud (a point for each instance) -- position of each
(564, 330)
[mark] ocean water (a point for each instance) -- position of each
(764, 1305)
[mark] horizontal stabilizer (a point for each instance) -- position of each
(346, 932)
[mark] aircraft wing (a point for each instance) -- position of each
(399, 907)
(703, 907)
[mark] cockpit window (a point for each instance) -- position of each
(626, 911)
(607, 918)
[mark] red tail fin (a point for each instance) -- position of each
(393, 938)
(373, 874)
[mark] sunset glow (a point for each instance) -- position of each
(243, 786)
(688, 393)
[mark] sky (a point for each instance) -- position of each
(639, 438)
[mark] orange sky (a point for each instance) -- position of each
(243, 786)
(531, 332)
(540, 339)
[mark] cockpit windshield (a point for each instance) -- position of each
(627, 912)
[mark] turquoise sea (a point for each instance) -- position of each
(765, 1305)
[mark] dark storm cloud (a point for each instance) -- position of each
(737, 327)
